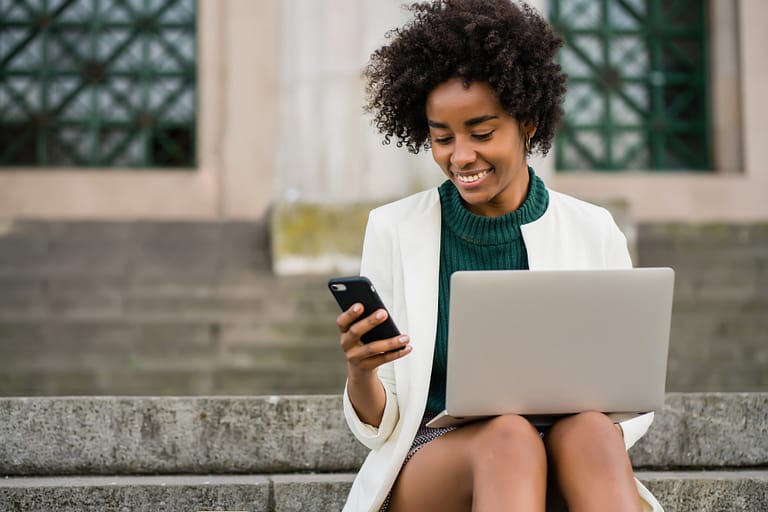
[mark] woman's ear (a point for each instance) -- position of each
(528, 129)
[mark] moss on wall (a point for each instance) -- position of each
(314, 230)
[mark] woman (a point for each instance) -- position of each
(474, 81)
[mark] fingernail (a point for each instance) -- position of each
(356, 308)
(380, 315)
(403, 339)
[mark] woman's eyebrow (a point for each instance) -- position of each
(469, 122)
(479, 119)
(435, 124)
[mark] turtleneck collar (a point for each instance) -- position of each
(503, 229)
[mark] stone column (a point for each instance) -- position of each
(754, 66)
(545, 166)
(331, 165)
(328, 152)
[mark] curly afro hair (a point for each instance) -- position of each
(509, 46)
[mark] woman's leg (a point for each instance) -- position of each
(494, 465)
(592, 467)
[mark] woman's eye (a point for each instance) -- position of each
(443, 140)
(483, 136)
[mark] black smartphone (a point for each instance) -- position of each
(349, 290)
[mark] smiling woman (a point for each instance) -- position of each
(475, 82)
(479, 146)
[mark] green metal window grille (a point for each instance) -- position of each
(98, 83)
(637, 84)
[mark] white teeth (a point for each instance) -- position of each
(471, 178)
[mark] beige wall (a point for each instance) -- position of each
(238, 88)
(251, 81)
(328, 151)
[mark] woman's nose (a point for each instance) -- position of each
(463, 154)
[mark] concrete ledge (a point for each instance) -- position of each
(678, 491)
(116, 435)
(137, 494)
(706, 430)
(311, 492)
(745, 491)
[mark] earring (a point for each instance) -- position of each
(527, 143)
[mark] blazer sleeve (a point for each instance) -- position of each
(617, 256)
(376, 264)
(635, 428)
(616, 252)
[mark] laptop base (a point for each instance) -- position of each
(444, 419)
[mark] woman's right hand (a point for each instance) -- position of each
(364, 389)
(364, 358)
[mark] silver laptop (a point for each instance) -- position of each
(549, 343)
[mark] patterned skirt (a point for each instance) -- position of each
(423, 436)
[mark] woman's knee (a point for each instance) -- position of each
(580, 435)
(583, 424)
(511, 436)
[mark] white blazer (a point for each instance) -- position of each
(401, 256)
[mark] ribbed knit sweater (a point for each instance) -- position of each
(473, 242)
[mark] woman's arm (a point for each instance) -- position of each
(370, 396)
(366, 391)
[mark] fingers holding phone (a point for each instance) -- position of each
(368, 340)
(365, 357)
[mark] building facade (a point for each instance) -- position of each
(279, 121)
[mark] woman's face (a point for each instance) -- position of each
(479, 146)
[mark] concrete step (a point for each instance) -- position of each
(213, 299)
(59, 337)
(118, 248)
(327, 378)
(678, 235)
(140, 347)
(691, 491)
(145, 435)
(272, 300)
(711, 261)
(680, 491)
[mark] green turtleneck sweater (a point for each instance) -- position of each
(474, 242)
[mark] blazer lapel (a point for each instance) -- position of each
(420, 260)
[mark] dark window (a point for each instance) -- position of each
(637, 84)
(99, 83)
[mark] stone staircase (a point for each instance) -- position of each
(158, 308)
(719, 335)
(193, 308)
(704, 452)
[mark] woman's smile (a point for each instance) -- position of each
(472, 178)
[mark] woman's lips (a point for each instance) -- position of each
(471, 177)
